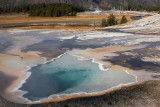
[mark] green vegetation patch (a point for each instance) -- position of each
(46, 10)
(110, 21)
(123, 20)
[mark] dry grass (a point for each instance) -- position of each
(80, 28)
(68, 28)
(68, 23)
(24, 19)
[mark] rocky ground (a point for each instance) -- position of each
(145, 95)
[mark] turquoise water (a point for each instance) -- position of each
(68, 75)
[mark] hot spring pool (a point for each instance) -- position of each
(68, 75)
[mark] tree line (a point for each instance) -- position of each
(46, 10)
(132, 7)
(62, 9)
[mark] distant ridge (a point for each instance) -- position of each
(85, 3)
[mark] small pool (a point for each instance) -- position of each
(136, 17)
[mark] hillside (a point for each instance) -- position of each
(86, 3)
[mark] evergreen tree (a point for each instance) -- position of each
(43, 13)
(104, 23)
(123, 20)
(74, 13)
(37, 12)
(67, 12)
(49, 13)
(111, 20)
(1, 10)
